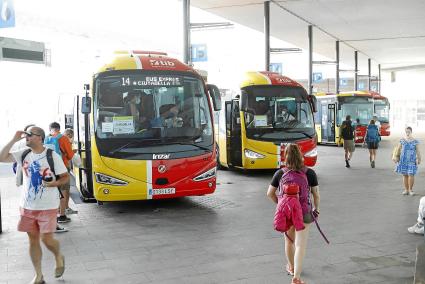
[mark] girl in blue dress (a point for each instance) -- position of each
(409, 160)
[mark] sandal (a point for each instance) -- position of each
(297, 281)
(60, 269)
(289, 270)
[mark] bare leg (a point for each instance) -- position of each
(371, 155)
(66, 198)
(374, 154)
(62, 205)
(289, 247)
(411, 181)
(406, 182)
(346, 155)
(300, 247)
(35, 253)
(53, 245)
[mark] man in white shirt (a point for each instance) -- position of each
(40, 195)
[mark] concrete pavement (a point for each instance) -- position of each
(228, 237)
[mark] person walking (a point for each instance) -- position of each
(372, 139)
(40, 195)
(61, 144)
(418, 228)
(407, 160)
(347, 134)
(296, 241)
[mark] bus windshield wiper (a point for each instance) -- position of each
(134, 142)
(191, 144)
(298, 131)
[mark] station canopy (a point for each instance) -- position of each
(390, 32)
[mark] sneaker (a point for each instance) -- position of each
(411, 193)
(70, 211)
(372, 164)
(347, 164)
(63, 219)
(416, 229)
(405, 192)
(60, 229)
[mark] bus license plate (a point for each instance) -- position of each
(160, 191)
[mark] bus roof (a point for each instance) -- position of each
(146, 60)
(257, 78)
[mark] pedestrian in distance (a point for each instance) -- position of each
(347, 134)
(418, 228)
(372, 138)
(61, 145)
(296, 240)
(407, 158)
(43, 172)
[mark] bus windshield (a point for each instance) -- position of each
(277, 112)
(359, 108)
(137, 110)
(382, 110)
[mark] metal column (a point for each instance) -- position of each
(369, 73)
(337, 67)
(356, 70)
(267, 34)
(186, 31)
(379, 78)
(310, 59)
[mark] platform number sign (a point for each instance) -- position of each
(7, 14)
(361, 86)
(276, 67)
(199, 53)
(343, 82)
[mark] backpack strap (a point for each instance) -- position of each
(24, 155)
(49, 157)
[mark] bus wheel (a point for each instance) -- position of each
(99, 203)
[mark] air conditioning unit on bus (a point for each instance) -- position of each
(20, 50)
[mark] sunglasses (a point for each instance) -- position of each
(29, 134)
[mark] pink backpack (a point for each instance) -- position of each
(299, 178)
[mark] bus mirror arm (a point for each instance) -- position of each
(313, 102)
(215, 96)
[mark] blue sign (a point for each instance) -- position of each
(317, 77)
(276, 67)
(343, 82)
(199, 53)
(7, 14)
(361, 86)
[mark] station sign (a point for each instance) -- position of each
(199, 53)
(7, 14)
(276, 67)
(317, 77)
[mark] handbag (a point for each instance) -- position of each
(396, 153)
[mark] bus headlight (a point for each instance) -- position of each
(105, 179)
(253, 155)
(311, 153)
(206, 175)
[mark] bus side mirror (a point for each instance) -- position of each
(215, 96)
(85, 105)
(313, 102)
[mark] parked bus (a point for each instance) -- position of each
(382, 111)
(271, 111)
(332, 110)
(145, 130)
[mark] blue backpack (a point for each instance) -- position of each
(373, 133)
(52, 142)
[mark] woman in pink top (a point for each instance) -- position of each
(295, 251)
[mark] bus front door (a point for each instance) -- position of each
(233, 134)
(328, 123)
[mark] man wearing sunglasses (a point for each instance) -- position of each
(40, 196)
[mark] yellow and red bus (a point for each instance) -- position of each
(332, 110)
(145, 130)
(271, 111)
(382, 112)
